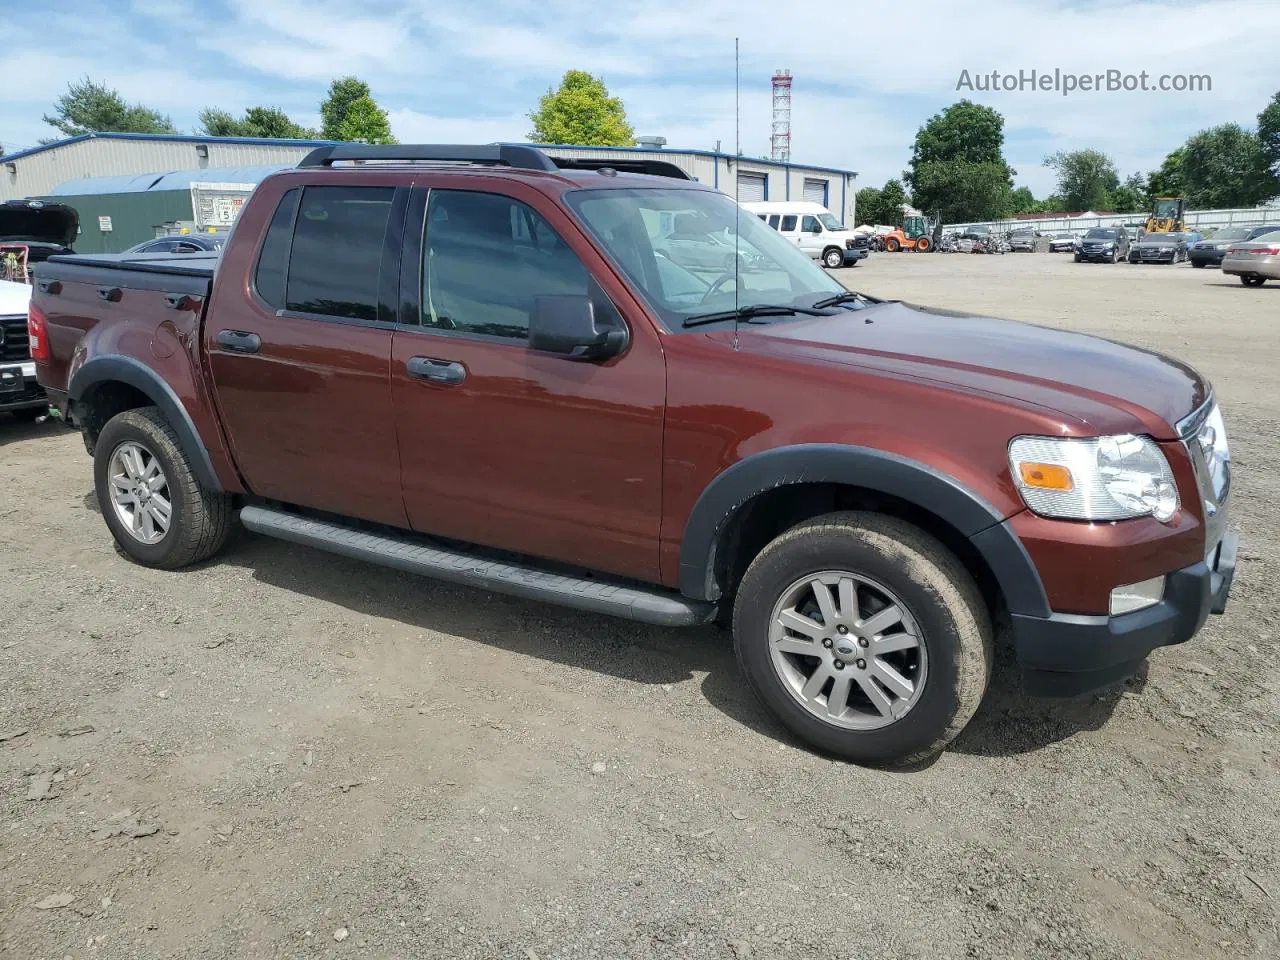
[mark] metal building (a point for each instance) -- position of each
(118, 212)
(749, 178)
(39, 171)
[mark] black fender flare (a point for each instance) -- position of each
(917, 483)
(127, 370)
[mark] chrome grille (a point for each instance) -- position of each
(13, 340)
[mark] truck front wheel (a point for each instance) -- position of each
(150, 497)
(865, 636)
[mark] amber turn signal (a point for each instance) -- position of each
(1046, 476)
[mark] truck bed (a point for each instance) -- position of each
(187, 273)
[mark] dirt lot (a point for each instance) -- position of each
(286, 754)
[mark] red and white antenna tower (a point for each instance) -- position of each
(781, 139)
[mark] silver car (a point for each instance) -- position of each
(1254, 261)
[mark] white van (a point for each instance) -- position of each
(812, 226)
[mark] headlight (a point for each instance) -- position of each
(1107, 478)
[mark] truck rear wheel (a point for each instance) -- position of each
(865, 636)
(150, 497)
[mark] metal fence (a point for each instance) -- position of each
(1199, 220)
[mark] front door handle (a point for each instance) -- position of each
(436, 371)
(238, 341)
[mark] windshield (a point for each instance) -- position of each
(1165, 209)
(1097, 234)
(830, 222)
(1231, 233)
(695, 252)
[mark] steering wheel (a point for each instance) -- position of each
(718, 283)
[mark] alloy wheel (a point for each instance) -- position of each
(848, 650)
(140, 492)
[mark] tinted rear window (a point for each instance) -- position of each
(268, 279)
(337, 249)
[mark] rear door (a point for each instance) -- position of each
(502, 445)
(300, 353)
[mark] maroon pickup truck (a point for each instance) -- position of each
(475, 363)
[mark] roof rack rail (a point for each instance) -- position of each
(497, 154)
(654, 168)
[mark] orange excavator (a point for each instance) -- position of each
(916, 233)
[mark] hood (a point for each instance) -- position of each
(34, 221)
(14, 298)
(1103, 385)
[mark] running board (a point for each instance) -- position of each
(655, 606)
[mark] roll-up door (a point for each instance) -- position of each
(752, 187)
(815, 191)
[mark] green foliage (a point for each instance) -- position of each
(1086, 178)
(881, 207)
(1269, 135)
(1022, 200)
(1131, 196)
(1167, 181)
(581, 112)
(958, 171)
(343, 93)
(89, 107)
(267, 122)
(365, 122)
(1225, 167)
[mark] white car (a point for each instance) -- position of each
(20, 394)
(813, 228)
(1062, 243)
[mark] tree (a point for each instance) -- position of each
(958, 170)
(1086, 178)
(1022, 200)
(581, 112)
(267, 122)
(866, 205)
(89, 107)
(1167, 181)
(1269, 135)
(1131, 196)
(1225, 167)
(365, 122)
(343, 92)
(881, 207)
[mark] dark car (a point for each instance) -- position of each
(1103, 244)
(472, 365)
(32, 231)
(186, 243)
(1159, 248)
(1210, 252)
(1023, 241)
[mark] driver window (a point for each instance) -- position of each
(810, 225)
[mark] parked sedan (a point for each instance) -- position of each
(1062, 243)
(1159, 248)
(1024, 241)
(1254, 261)
(1211, 251)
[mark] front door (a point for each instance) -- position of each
(502, 445)
(811, 239)
(300, 365)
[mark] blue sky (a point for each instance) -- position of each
(866, 74)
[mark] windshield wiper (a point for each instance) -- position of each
(849, 296)
(748, 314)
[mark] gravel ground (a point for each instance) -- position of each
(287, 754)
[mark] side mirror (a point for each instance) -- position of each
(816, 228)
(568, 325)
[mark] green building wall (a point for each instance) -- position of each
(134, 217)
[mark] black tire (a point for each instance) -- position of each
(1253, 281)
(833, 258)
(1077, 258)
(1198, 264)
(941, 597)
(200, 520)
(1115, 256)
(31, 414)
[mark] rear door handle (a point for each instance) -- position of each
(238, 341)
(444, 372)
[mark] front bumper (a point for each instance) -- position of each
(1158, 256)
(1098, 255)
(1066, 655)
(1206, 256)
(19, 389)
(853, 256)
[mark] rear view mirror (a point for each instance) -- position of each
(568, 325)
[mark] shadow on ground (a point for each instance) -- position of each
(1008, 722)
(13, 430)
